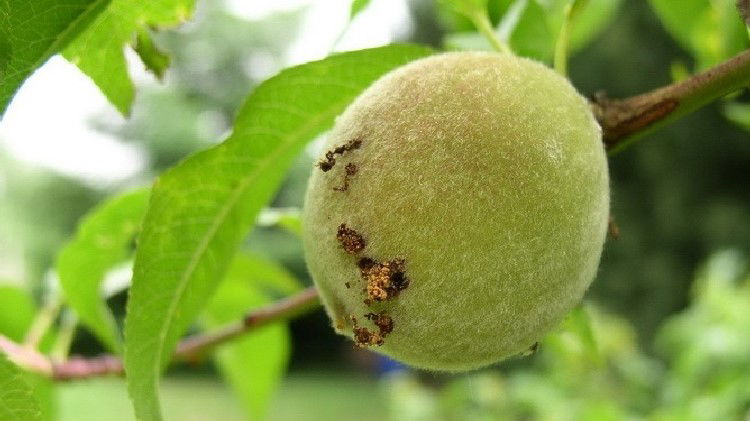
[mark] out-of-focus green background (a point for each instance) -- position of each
(669, 331)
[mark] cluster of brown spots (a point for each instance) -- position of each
(330, 160)
(351, 170)
(350, 240)
(365, 337)
(383, 321)
(384, 280)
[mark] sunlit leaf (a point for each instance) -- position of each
(253, 365)
(17, 311)
(99, 50)
(17, 399)
(202, 209)
(357, 6)
(32, 31)
(103, 240)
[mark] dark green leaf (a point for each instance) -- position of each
(202, 209)
(103, 240)
(253, 365)
(98, 51)
(17, 399)
(32, 31)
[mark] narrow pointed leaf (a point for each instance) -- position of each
(202, 209)
(103, 240)
(254, 364)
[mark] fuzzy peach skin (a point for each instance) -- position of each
(460, 211)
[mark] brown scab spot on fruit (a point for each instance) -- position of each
(384, 280)
(350, 240)
(383, 321)
(330, 159)
(347, 284)
(363, 336)
(531, 350)
(351, 170)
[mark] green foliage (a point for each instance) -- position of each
(288, 219)
(710, 30)
(357, 6)
(532, 27)
(98, 51)
(155, 60)
(103, 240)
(17, 399)
(254, 364)
(33, 31)
(15, 322)
(208, 203)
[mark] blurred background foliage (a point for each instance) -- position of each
(668, 337)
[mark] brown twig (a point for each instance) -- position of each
(191, 348)
(623, 119)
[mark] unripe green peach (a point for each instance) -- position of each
(459, 211)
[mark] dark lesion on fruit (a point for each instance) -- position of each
(351, 241)
(350, 171)
(330, 157)
(364, 337)
(383, 321)
(385, 280)
(533, 349)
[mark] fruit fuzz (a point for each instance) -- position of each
(459, 210)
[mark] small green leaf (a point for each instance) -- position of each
(15, 323)
(155, 60)
(357, 6)
(202, 209)
(287, 218)
(99, 50)
(579, 323)
(269, 277)
(33, 31)
(103, 240)
(531, 36)
(17, 399)
(254, 364)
